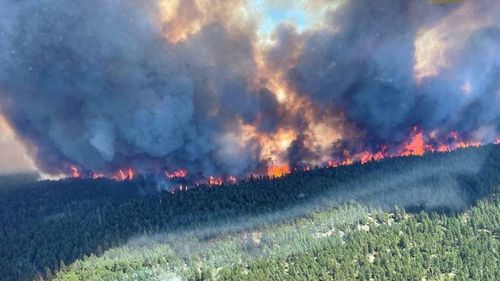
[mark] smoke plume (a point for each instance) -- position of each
(161, 85)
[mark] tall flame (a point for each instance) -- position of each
(75, 173)
(416, 144)
(124, 174)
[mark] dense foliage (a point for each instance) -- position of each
(84, 229)
(423, 247)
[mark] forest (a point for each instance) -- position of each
(435, 217)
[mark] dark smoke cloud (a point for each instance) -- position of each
(361, 64)
(299, 155)
(95, 83)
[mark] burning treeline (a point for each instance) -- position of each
(195, 89)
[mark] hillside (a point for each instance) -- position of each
(411, 218)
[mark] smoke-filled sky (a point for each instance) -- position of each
(227, 87)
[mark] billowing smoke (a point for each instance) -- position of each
(162, 85)
(95, 84)
(374, 62)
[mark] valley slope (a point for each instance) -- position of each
(433, 217)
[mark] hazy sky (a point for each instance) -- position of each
(13, 156)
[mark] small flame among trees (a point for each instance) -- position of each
(176, 174)
(215, 181)
(123, 175)
(75, 173)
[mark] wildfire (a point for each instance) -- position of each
(278, 171)
(75, 173)
(320, 130)
(215, 181)
(98, 175)
(416, 145)
(454, 138)
(295, 110)
(176, 174)
(443, 148)
(463, 144)
(273, 145)
(218, 181)
(120, 175)
(336, 163)
(232, 180)
(367, 156)
(123, 175)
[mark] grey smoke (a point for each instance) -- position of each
(95, 83)
(361, 63)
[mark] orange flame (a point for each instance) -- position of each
(176, 174)
(443, 148)
(278, 171)
(123, 175)
(367, 156)
(213, 181)
(465, 144)
(75, 173)
(416, 146)
(336, 163)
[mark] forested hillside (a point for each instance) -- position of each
(434, 217)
